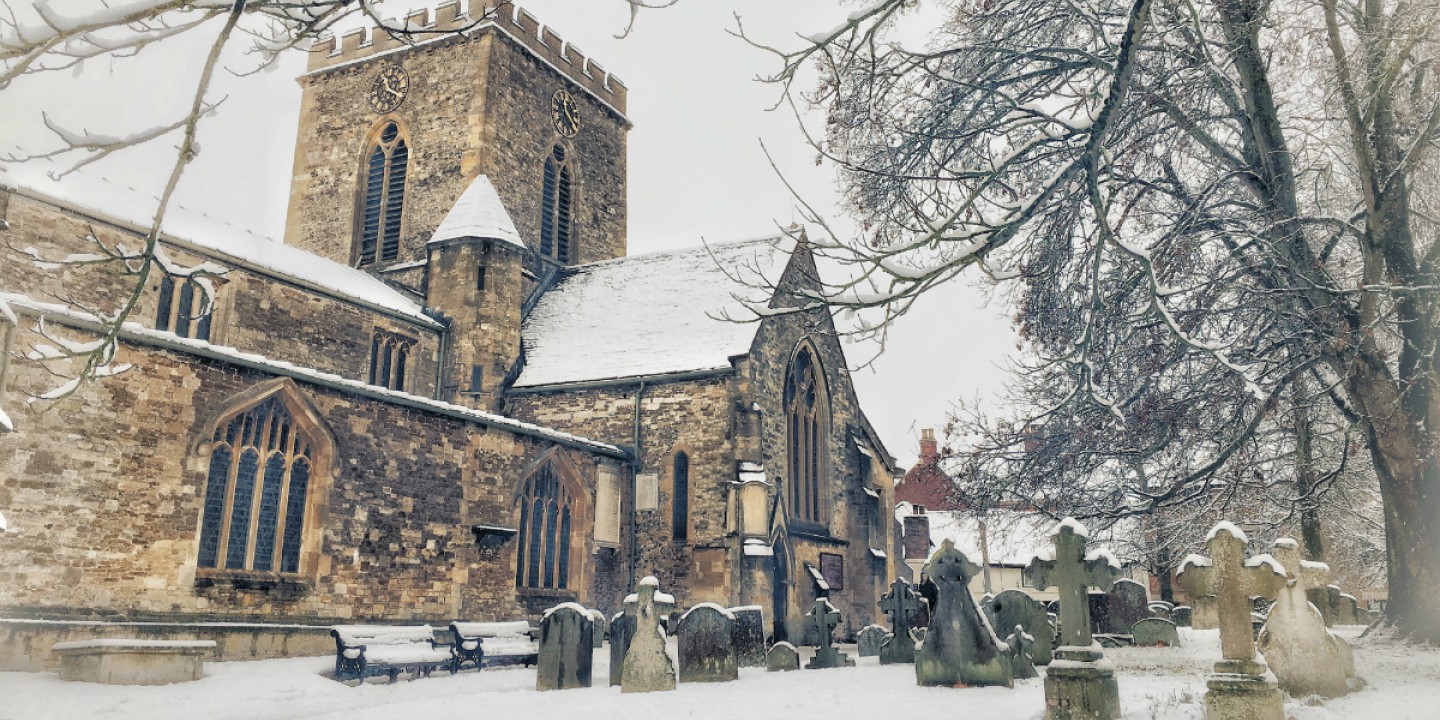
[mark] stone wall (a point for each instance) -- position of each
(103, 493)
(254, 313)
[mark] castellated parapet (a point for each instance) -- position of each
(456, 19)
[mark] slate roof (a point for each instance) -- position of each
(648, 315)
(127, 207)
(478, 214)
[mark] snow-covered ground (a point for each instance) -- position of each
(1154, 683)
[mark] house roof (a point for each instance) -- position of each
(648, 315)
(126, 207)
(478, 214)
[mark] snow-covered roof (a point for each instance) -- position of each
(675, 308)
(478, 214)
(117, 204)
(1013, 537)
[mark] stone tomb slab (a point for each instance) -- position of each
(133, 662)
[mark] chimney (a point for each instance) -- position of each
(929, 453)
(916, 539)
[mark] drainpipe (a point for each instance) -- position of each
(636, 464)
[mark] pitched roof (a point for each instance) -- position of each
(648, 315)
(478, 214)
(132, 209)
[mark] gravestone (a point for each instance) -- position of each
(1161, 609)
(1080, 683)
(903, 605)
(1128, 604)
(1099, 611)
(705, 635)
(602, 628)
(782, 657)
(566, 648)
(1155, 632)
(1204, 615)
(869, 639)
(960, 648)
(1345, 610)
(1015, 607)
(647, 666)
(1022, 664)
(749, 635)
(822, 619)
(1240, 688)
(622, 628)
(1181, 615)
(1307, 658)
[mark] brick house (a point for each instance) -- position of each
(448, 394)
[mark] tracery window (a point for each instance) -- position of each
(389, 359)
(547, 509)
(807, 415)
(183, 308)
(557, 191)
(256, 492)
(383, 200)
(680, 498)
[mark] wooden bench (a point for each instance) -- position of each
(481, 644)
(363, 651)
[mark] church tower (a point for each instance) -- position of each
(395, 139)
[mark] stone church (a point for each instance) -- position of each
(448, 394)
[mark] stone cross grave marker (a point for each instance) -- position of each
(1083, 686)
(902, 604)
(822, 619)
(647, 666)
(1307, 658)
(1022, 647)
(705, 635)
(1238, 688)
(566, 648)
(960, 647)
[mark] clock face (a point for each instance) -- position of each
(389, 88)
(564, 113)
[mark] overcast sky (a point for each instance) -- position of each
(696, 168)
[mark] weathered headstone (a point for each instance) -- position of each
(1204, 614)
(1022, 661)
(1160, 608)
(566, 648)
(869, 639)
(1129, 604)
(622, 628)
(1240, 688)
(1080, 684)
(1155, 632)
(1099, 611)
(647, 666)
(1181, 615)
(1320, 598)
(782, 656)
(705, 635)
(960, 647)
(602, 628)
(903, 605)
(749, 635)
(1307, 658)
(1345, 610)
(1015, 607)
(822, 619)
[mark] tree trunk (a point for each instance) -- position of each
(1310, 540)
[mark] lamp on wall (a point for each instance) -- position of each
(489, 537)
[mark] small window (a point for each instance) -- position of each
(389, 359)
(680, 499)
(477, 378)
(183, 308)
(480, 278)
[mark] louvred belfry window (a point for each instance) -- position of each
(556, 217)
(383, 202)
(256, 492)
(547, 510)
(807, 414)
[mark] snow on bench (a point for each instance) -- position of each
(363, 651)
(493, 643)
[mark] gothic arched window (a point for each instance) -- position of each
(547, 507)
(807, 417)
(383, 201)
(557, 191)
(680, 499)
(256, 491)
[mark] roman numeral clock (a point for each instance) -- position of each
(564, 113)
(389, 88)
